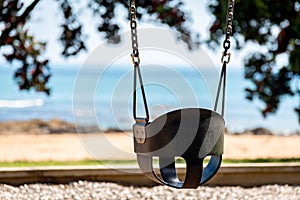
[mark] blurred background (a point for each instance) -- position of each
(49, 22)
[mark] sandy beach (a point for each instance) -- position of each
(61, 147)
(38, 140)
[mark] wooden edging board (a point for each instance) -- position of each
(246, 175)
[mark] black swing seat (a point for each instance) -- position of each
(190, 133)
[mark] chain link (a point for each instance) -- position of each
(228, 31)
(229, 20)
(225, 57)
(134, 40)
(136, 63)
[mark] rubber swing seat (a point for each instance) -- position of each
(190, 133)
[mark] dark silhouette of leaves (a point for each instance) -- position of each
(34, 70)
(71, 37)
(256, 21)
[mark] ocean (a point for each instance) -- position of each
(104, 98)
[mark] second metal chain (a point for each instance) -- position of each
(136, 63)
(228, 31)
(225, 57)
(134, 40)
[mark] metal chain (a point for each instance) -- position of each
(228, 31)
(134, 40)
(225, 56)
(136, 59)
(136, 63)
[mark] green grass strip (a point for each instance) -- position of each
(128, 162)
(48, 163)
(262, 160)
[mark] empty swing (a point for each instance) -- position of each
(189, 133)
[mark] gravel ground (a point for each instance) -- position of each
(82, 190)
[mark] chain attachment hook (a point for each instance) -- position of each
(225, 57)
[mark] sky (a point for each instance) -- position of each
(46, 19)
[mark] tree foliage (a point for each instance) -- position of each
(26, 50)
(274, 26)
(33, 72)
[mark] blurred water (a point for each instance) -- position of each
(167, 89)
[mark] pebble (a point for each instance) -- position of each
(85, 190)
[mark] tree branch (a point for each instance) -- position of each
(13, 25)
